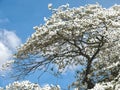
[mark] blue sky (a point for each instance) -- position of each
(20, 16)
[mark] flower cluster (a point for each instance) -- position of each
(113, 85)
(26, 85)
(7, 64)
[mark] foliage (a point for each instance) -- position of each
(87, 36)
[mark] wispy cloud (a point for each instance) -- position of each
(4, 20)
(8, 43)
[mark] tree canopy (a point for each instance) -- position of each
(86, 36)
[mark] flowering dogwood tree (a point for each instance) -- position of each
(86, 36)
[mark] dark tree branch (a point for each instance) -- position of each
(74, 44)
(86, 79)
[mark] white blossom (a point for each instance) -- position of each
(7, 64)
(50, 6)
(26, 85)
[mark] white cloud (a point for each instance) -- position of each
(8, 43)
(4, 53)
(10, 39)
